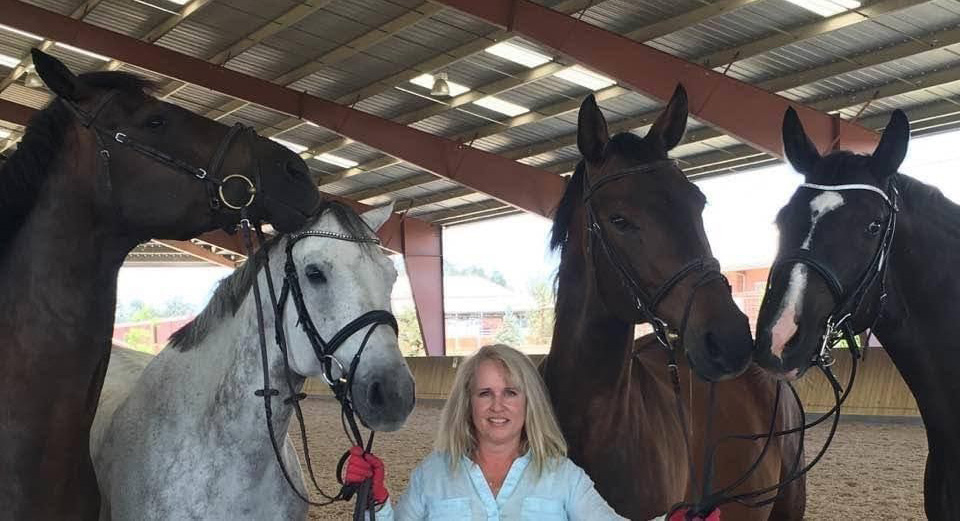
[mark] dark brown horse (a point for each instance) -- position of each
(634, 250)
(103, 168)
(854, 231)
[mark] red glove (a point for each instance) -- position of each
(681, 515)
(360, 467)
(379, 490)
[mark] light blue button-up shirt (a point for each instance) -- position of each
(562, 492)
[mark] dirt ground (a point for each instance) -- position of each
(873, 470)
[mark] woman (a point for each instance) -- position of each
(499, 453)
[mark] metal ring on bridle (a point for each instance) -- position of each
(326, 374)
(251, 189)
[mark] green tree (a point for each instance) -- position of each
(541, 319)
(140, 339)
(411, 342)
(176, 307)
(509, 332)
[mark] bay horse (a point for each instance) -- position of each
(863, 246)
(634, 250)
(101, 169)
(180, 436)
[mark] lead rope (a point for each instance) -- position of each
(267, 392)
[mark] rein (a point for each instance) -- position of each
(848, 305)
(209, 175)
(341, 384)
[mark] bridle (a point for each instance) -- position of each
(646, 302)
(839, 326)
(210, 175)
(847, 305)
(341, 384)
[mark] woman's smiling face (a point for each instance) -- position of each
(499, 408)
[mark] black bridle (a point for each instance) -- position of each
(210, 175)
(644, 301)
(341, 384)
(839, 326)
(847, 304)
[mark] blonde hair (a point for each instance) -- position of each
(541, 433)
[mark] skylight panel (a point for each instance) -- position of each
(83, 52)
(296, 148)
(826, 8)
(585, 78)
(518, 54)
(336, 160)
(21, 33)
(9, 61)
(502, 106)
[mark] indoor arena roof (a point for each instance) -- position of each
(509, 95)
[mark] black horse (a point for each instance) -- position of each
(863, 246)
(103, 168)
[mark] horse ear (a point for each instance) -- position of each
(58, 77)
(892, 149)
(592, 133)
(800, 151)
(672, 122)
(378, 216)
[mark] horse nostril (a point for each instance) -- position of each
(376, 395)
(296, 167)
(713, 347)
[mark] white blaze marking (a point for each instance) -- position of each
(785, 326)
(821, 205)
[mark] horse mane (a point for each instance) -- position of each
(24, 173)
(572, 198)
(233, 289)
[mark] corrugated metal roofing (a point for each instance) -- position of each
(335, 23)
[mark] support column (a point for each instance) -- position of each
(423, 258)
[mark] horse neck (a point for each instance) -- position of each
(230, 369)
(919, 328)
(60, 269)
(588, 340)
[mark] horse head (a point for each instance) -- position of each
(647, 243)
(835, 235)
(164, 172)
(340, 284)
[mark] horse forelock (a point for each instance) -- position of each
(233, 289)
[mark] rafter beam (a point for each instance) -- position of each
(462, 210)
(406, 182)
(25, 61)
(804, 32)
(199, 252)
(715, 98)
(290, 17)
(438, 62)
(648, 32)
(351, 48)
(522, 186)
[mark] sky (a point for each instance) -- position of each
(739, 221)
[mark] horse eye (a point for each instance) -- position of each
(618, 221)
(873, 228)
(156, 122)
(315, 274)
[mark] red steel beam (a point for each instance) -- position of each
(741, 110)
(519, 185)
(423, 259)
